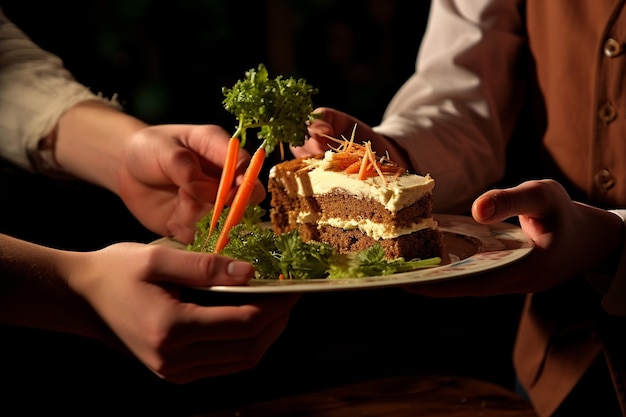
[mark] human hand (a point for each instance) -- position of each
(570, 238)
(333, 123)
(170, 174)
(135, 289)
(336, 124)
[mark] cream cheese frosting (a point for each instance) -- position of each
(393, 192)
(372, 229)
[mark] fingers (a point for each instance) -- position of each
(235, 350)
(537, 199)
(333, 123)
(337, 124)
(244, 321)
(194, 169)
(183, 168)
(210, 144)
(198, 269)
(341, 123)
(183, 341)
(319, 128)
(181, 224)
(258, 193)
(317, 143)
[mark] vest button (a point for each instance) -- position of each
(604, 179)
(613, 48)
(607, 113)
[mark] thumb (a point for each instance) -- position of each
(200, 269)
(536, 198)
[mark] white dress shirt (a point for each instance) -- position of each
(461, 104)
(455, 115)
(35, 90)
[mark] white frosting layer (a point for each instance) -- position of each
(366, 226)
(394, 193)
(379, 230)
(316, 177)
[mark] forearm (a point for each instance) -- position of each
(454, 116)
(34, 292)
(90, 140)
(36, 91)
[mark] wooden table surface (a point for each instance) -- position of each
(413, 396)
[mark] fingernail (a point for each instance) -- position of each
(239, 269)
(325, 129)
(321, 128)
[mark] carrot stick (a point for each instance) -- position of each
(226, 181)
(242, 198)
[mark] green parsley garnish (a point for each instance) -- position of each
(288, 256)
(276, 107)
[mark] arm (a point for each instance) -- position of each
(454, 116)
(33, 289)
(126, 295)
(35, 91)
(570, 238)
(166, 175)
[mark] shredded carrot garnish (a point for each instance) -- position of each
(363, 167)
(360, 159)
(353, 168)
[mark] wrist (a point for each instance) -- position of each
(90, 142)
(35, 290)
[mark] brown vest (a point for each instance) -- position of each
(578, 50)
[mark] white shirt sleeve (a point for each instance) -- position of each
(614, 300)
(455, 115)
(35, 90)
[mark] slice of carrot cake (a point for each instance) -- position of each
(351, 199)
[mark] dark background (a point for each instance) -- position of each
(167, 62)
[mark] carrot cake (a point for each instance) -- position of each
(352, 199)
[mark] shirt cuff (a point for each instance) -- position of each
(33, 100)
(40, 149)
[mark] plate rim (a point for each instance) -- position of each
(488, 257)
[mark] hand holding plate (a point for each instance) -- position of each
(570, 238)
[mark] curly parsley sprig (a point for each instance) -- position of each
(279, 110)
(286, 255)
(279, 107)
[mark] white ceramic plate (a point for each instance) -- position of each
(470, 248)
